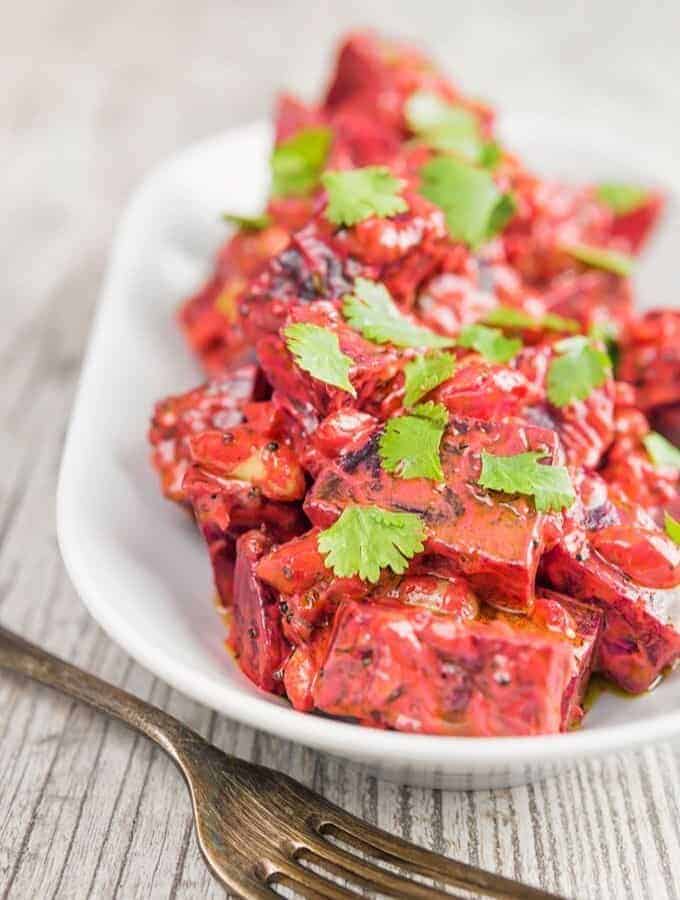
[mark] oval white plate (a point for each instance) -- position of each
(138, 562)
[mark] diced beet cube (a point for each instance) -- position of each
(415, 670)
(650, 358)
(210, 318)
(495, 540)
(256, 635)
(639, 636)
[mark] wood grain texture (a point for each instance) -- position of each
(93, 95)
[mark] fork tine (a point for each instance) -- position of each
(309, 884)
(369, 876)
(380, 845)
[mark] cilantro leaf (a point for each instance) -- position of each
(661, 451)
(621, 198)
(424, 374)
(491, 154)
(509, 317)
(366, 539)
(490, 342)
(475, 209)
(550, 486)
(409, 445)
(248, 223)
(601, 258)
(444, 126)
(672, 527)
(371, 310)
(357, 194)
(297, 162)
(577, 371)
(317, 351)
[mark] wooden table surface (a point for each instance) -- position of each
(93, 94)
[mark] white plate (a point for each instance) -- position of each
(138, 562)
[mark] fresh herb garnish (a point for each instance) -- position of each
(317, 351)
(491, 154)
(550, 486)
(491, 343)
(621, 198)
(424, 374)
(409, 445)
(356, 194)
(474, 208)
(509, 317)
(366, 539)
(601, 258)
(580, 368)
(444, 126)
(297, 162)
(371, 310)
(248, 223)
(661, 451)
(672, 527)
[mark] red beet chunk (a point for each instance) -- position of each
(256, 636)
(216, 404)
(210, 318)
(650, 358)
(241, 454)
(639, 637)
(309, 591)
(577, 623)
(635, 227)
(494, 540)
(415, 670)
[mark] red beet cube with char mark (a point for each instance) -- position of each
(640, 634)
(256, 636)
(495, 541)
(411, 669)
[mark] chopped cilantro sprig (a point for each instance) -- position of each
(373, 312)
(424, 373)
(297, 162)
(367, 539)
(672, 527)
(474, 207)
(357, 194)
(661, 451)
(317, 351)
(409, 445)
(491, 343)
(621, 198)
(580, 368)
(601, 258)
(550, 486)
(509, 317)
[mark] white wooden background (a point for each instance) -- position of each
(92, 94)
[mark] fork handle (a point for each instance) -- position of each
(21, 656)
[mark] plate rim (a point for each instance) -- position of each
(328, 735)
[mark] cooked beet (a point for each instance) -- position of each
(417, 670)
(495, 541)
(256, 635)
(639, 636)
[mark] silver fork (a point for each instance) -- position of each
(258, 828)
